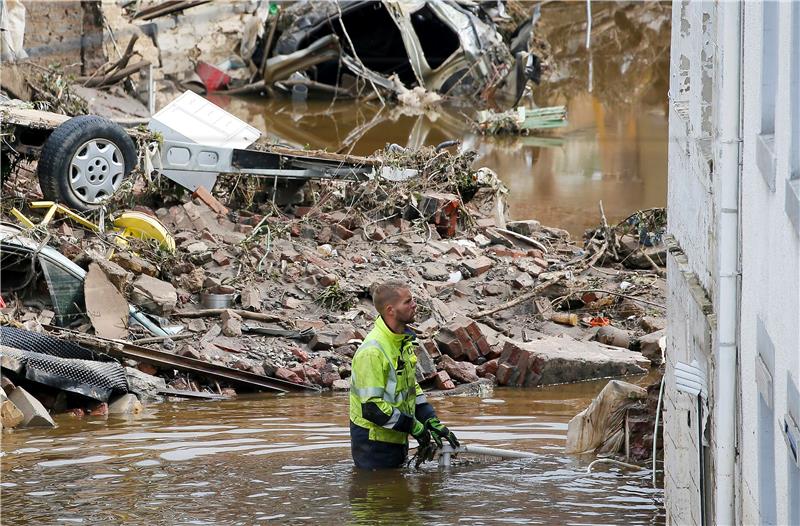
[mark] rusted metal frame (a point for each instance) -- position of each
(120, 349)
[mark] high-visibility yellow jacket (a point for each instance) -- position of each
(383, 387)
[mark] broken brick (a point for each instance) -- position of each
(300, 354)
(487, 368)
(202, 194)
(341, 232)
(463, 372)
(478, 266)
(443, 381)
(290, 376)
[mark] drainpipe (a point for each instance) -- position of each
(728, 299)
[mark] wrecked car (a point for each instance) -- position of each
(84, 160)
(449, 47)
(43, 278)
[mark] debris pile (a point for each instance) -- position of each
(413, 53)
(283, 293)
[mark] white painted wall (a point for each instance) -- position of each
(767, 488)
(770, 271)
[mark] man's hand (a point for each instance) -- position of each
(421, 434)
(426, 449)
(438, 431)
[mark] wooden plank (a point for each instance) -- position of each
(46, 120)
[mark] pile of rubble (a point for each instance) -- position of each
(281, 295)
(412, 52)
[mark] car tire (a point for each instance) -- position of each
(84, 161)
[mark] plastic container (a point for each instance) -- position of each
(299, 93)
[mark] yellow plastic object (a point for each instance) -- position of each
(143, 226)
(27, 223)
(55, 207)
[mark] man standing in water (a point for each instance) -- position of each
(386, 402)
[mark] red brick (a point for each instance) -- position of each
(221, 258)
(299, 370)
(443, 381)
(312, 375)
(502, 251)
(484, 347)
(463, 372)
(300, 354)
(211, 201)
(479, 265)
(430, 347)
(449, 344)
(341, 232)
(318, 363)
(441, 210)
(146, 368)
(473, 330)
(504, 372)
(487, 368)
(518, 378)
(510, 353)
(290, 376)
(378, 234)
(466, 343)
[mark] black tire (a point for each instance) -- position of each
(59, 177)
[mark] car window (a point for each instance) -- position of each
(66, 292)
(16, 268)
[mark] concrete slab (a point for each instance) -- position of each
(34, 412)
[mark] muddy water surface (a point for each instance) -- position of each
(285, 460)
(614, 148)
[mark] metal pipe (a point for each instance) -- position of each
(446, 452)
(727, 300)
(655, 426)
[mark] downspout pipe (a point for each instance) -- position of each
(728, 229)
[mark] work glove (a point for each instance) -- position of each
(426, 449)
(421, 434)
(438, 431)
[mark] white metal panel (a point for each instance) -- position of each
(191, 118)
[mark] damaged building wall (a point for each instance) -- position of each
(691, 263)
(210, 32)
(760, 219)
(69, 33)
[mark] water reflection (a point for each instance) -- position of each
(246, 462)
(609, 154)
(614, 148)
(391, 497)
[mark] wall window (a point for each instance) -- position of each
(793, 183)
(765, 369)
(765, 143)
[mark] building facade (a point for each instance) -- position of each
(731, 403)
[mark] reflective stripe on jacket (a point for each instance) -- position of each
(383, 372)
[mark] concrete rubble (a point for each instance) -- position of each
(300, 277)
(500, 302)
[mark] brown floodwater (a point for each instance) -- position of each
(614, 148)
(265, 459)
(285, 459)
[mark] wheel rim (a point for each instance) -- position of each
(96, 170)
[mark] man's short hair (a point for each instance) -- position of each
(387, 293)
